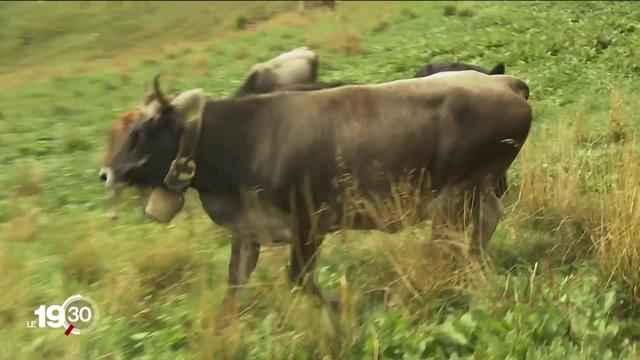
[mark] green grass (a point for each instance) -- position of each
(74, 33)
(554, 288)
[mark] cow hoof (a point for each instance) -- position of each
(113, 216)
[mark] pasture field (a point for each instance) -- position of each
(562, 276)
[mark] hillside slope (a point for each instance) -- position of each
(562, 276)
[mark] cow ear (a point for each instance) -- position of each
(497, 70)
(189, 105)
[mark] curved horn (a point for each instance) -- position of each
(159, 95)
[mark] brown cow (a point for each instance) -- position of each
(461, 129)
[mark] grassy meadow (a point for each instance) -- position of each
(562, 275)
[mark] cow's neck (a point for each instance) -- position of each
(226, 145)
(183, 167)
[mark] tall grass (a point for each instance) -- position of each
(584, 184)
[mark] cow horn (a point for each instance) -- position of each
(159, 95)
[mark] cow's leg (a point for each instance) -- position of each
(244, 257)
(486, 213)
(447, 216)
(449, 221)
(303, 254)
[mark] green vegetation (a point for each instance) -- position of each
(562, 280)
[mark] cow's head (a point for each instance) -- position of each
(151, 143)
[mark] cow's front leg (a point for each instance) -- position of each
(244, 257)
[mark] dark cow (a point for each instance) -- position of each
(268, 165)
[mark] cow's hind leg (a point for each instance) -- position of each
(244, 257)
(304, 252)
(449, 223)
(486, 213)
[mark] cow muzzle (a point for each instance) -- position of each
(106, 176)
(114, 178)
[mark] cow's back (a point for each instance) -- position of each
(447, 127)
(397, 125)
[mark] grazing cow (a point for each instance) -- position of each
(298, 66)
(268, 166)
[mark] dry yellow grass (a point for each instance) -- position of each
(587, 196)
